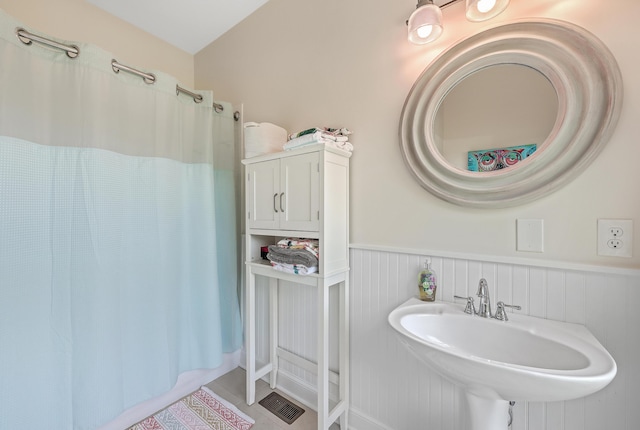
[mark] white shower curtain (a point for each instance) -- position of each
(117, 236)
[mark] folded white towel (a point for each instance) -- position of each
(310, 139)
(318, 136)
(337, 132)
(324, 131)
(345, 146)
(296, 269)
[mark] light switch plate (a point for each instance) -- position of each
(530, 235)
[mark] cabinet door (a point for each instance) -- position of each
(299, 181)
(263, 195)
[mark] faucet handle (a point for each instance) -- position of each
(501, 313)
(470, 308)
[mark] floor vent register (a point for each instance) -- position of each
(281, 407)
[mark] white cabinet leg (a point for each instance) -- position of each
(344, 350)
(323, 357)
(273, 330)
(250, 333)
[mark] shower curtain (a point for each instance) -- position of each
(117, 236)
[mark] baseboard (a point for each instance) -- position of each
(302, 392)
(358, 420)
(298, 389)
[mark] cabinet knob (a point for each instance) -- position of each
(281, 207)
(274, 202)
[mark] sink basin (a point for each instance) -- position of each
(523, 359)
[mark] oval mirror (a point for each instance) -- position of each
(501, 106)
(510, 114)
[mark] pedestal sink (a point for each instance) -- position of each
(523, 359)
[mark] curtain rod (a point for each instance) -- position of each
(148, 78)
(28, 38)
(197, 98)
(73, 51)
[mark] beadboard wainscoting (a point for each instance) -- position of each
(390, 389)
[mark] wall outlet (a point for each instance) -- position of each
(615, 237)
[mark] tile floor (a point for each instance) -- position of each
(231, 387)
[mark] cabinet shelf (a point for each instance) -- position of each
(264, 268)
(286, 233)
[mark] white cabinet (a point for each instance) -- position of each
(283, 193)
(300, 193)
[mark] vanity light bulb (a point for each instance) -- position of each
(482, 10)
(424, 31)
(485, 6)
(425, 23)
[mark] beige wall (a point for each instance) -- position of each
(80, 21)
(299, 63)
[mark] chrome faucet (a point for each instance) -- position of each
(484, 305)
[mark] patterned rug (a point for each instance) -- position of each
(202, 410)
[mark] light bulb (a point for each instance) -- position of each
(482, 10)
(425, 23)
(485, 6)
(424, 31)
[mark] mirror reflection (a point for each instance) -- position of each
(495, 117)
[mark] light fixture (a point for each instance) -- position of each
(425, 23)
(481, 10)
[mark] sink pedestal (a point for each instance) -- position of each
(487, 414)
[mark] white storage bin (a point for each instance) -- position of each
(262, 138)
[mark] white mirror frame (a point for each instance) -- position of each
(587, 81)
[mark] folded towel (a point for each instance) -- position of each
(334, 137)
(345, 146)
(310, 245)
(296, 269)
(336, 132)
(294, 144)
(318, 136)
(291, 256)
(304, 132)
